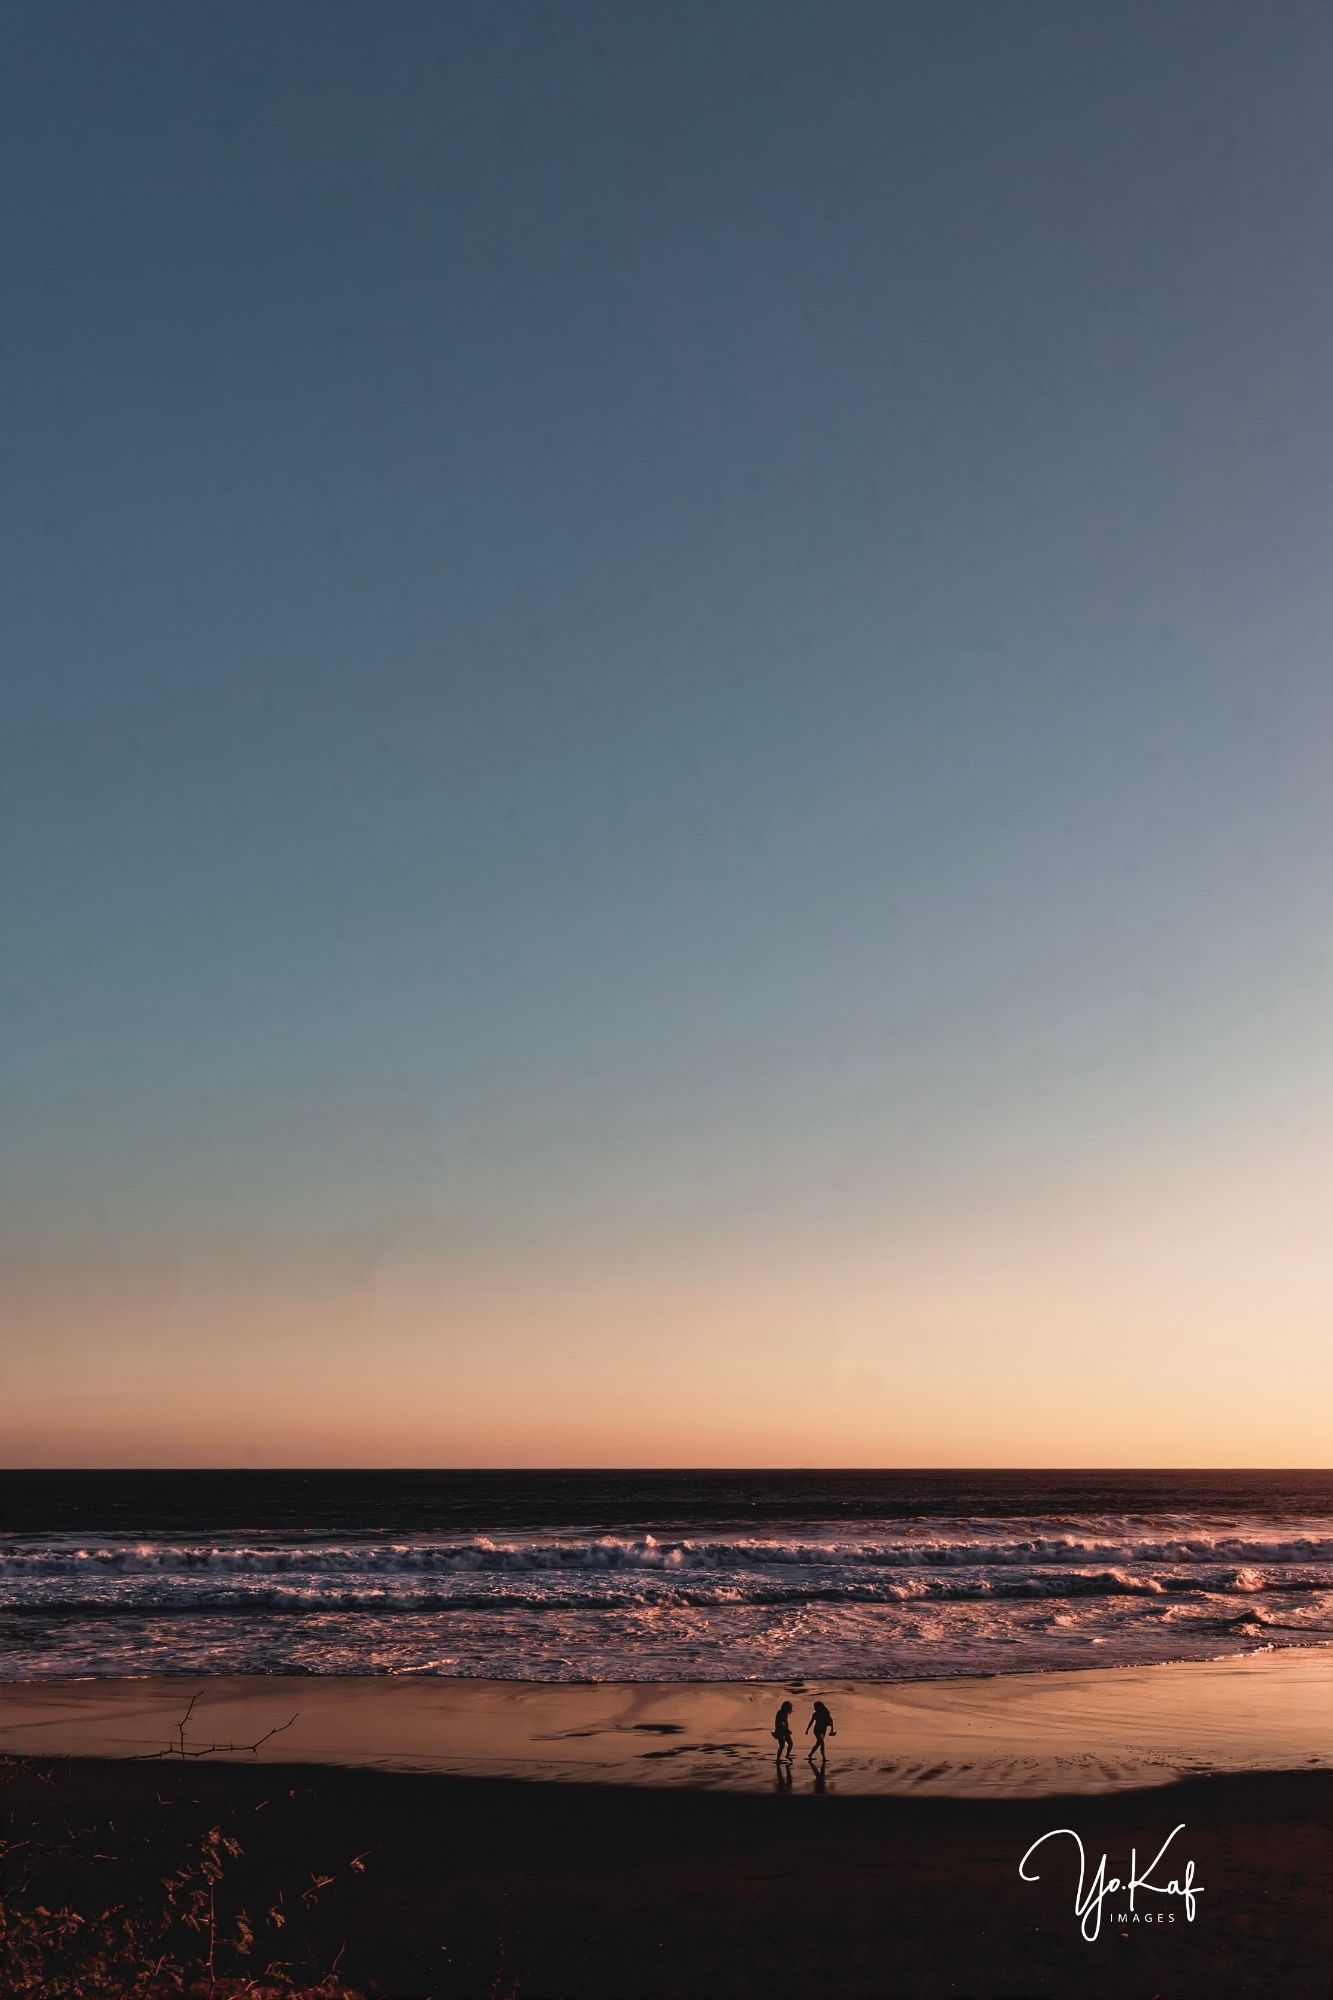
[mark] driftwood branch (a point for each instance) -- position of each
(180, 1749)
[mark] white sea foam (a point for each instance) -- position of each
(905, 1597)
(890, 1550)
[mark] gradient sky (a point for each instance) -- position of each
(667, 744)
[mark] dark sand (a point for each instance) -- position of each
(501, 1887)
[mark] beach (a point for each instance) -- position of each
(667, 1118)
(473, 1838)
(459, 1887)
(1003, 1736)
(463, 1735)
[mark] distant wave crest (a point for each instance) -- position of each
(940, 1595)
(648, 1553)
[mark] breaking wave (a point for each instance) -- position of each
(909, 1597)
(647, 1552)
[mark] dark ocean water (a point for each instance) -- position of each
(659, 1575)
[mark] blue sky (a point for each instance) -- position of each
(653, 639)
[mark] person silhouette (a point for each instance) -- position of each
(782, 1733)
(822, 1723)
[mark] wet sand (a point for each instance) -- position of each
(1012, 1735)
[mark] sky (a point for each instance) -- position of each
(667, 769)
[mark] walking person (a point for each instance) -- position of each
(821, 1721)
(782, 1733)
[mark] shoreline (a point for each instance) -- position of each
(1067, 1731)
(405, 1676)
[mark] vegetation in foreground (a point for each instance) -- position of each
(111, 1933)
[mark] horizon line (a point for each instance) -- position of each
(559, 1470)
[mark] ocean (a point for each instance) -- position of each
(577, 1576)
